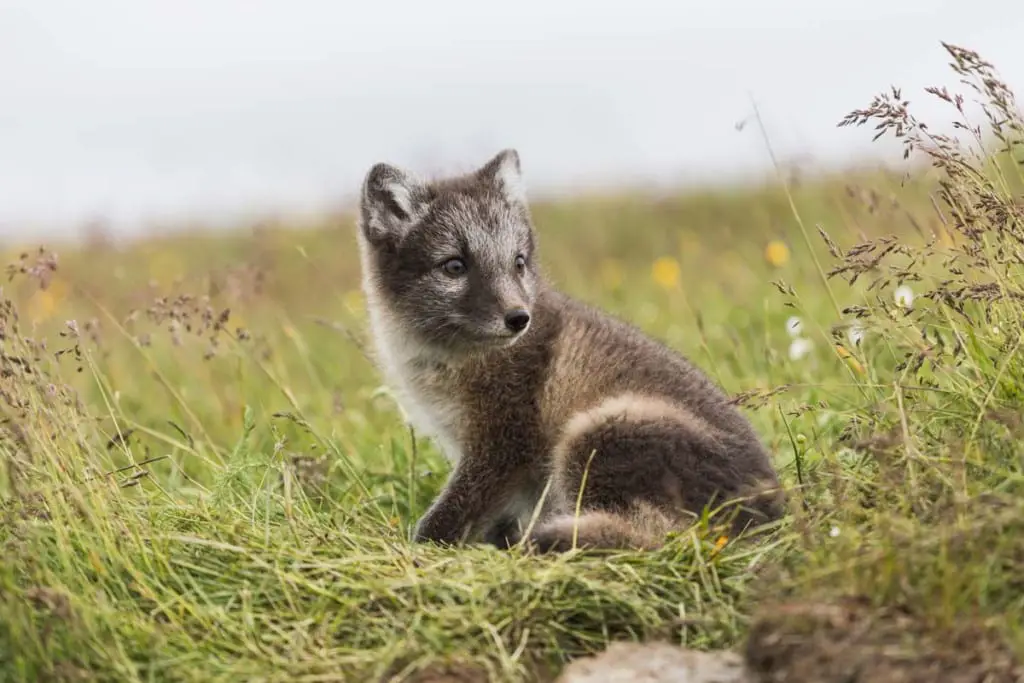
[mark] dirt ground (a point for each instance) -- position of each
(851, 642)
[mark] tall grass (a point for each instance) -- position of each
(202, 479)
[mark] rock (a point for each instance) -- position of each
(656, 663)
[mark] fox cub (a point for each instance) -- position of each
(534, 397)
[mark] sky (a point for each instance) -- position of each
(150, 113)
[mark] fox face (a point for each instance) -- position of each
(451, 263)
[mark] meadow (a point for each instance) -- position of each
(203, 479)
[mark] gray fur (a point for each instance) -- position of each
(575, 391)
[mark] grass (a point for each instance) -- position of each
(202, 479)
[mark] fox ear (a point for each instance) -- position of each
(504, 171)
(392, 201)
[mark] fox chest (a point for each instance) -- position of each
(435, 412)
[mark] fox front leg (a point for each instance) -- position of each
(470, 503)
(442, 523)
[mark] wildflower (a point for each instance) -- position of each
(904, 296)
(719, 544)
(855, 333)
(666, 272)
(45, 300)
(777, 253)
(799, 348)
(794, 326)
(833, 532)
(41, 305)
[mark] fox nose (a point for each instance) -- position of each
(517, 319)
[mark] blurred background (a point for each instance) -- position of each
(148, 116)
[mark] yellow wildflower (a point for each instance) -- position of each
(666, 272)
(41, 305)
(719, 544)
(58, 289)
(43, 302)
(776, 253)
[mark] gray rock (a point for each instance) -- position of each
(656, 663)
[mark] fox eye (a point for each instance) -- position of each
(520, 263)
(454, 267)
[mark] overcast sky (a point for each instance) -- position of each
(158, 110)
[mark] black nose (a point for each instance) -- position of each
(517, 320)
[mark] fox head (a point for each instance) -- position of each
(450, 263)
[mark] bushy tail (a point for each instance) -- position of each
(644, 528)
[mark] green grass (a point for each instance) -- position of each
(188, 494)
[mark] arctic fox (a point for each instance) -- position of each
(536, 398)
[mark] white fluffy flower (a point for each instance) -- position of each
(855, 333)
(794, 326)
(904, 296)
(799, 348)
